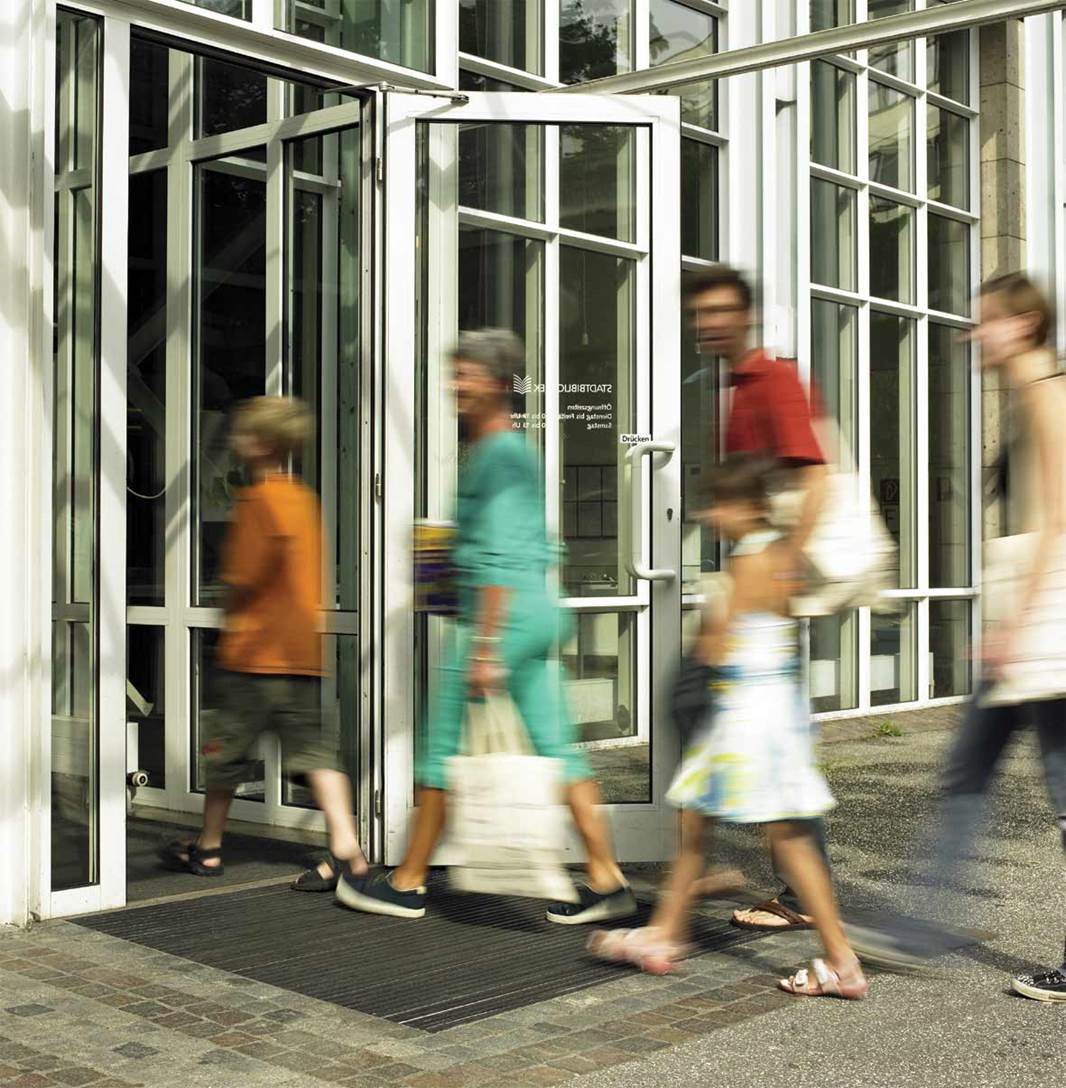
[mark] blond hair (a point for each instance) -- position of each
(283, 424)
(1020, 295)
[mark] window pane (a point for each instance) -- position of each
(239, 9)
(230, 97)
(146, 389)
(230, 345)
(596, 172)
(699, 200)
(506, 31)
(832, 235)
(950, 626)
(832, 117)
(948, 65)
(397, 31)
(145, 704)
(830, 13)
(75, 430)
(601, 689)
(500, 169)
(834, 365)
(892, 430)
(700, 442)
(891, 137)
(473, 81)
(680, 33)
(896, 58)
(891, 250)
(594, 39)
(834, 662)
(949, 265)
(149, 95)
(596, 350)
(949, 458)
(948, 155)
(893, 658)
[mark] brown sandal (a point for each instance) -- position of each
(792, 919)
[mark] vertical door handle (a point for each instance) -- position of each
(633, 509)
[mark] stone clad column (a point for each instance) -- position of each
(1003, 211)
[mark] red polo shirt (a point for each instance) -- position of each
(770, 412)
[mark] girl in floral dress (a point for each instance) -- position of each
(753, 760)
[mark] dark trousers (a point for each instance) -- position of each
(984, 736)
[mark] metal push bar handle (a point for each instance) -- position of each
(635, 515)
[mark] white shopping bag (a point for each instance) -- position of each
(508, 825)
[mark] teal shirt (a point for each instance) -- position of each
(501, 539)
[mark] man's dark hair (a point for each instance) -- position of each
(743, 476)
(723, 275)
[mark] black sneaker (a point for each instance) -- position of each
(376, 895)
(594, 906)
(1046, 986)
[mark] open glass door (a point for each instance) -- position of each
(555, 216)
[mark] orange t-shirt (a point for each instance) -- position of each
(273, 551)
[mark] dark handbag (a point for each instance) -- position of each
(690, 696)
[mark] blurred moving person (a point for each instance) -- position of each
(270, 653)
(1023, 660)
(752, 760)
(508, 626)
(769, 415)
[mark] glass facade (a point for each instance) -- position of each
(260, 219)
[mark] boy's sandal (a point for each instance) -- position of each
(188, 857)
(825, 982)
(312, 880)
(790, 919)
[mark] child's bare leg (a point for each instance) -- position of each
(332, 791)
(671, 914)
(806, 873)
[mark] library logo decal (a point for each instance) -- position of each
(596, 416)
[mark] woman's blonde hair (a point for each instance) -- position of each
(1020, 295)
(283, 424)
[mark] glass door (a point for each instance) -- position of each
(554, 216)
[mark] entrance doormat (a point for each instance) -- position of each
(469, 958)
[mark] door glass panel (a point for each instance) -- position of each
(146, 389)
(397, 31)
(500, 169)
(596, 367)
(600, 662)
(74, 740)
(596, 174)
(892, 430)
(145, 699)
(229, 341)
(594, 39)
(700, 446)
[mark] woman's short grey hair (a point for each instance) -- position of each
(499, 351)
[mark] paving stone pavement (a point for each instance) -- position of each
(78, 1007)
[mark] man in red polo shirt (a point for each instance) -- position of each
(769, 414)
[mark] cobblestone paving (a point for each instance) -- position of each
(81, 1008)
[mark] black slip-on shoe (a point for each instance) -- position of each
(1046, 986)
(593, 906)
(376, 895)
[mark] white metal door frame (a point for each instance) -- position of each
(641, 830)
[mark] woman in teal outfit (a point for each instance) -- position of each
(508, 627)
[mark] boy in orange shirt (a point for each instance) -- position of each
(270, 652)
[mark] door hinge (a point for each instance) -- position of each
(378, 807)
(377, 486)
